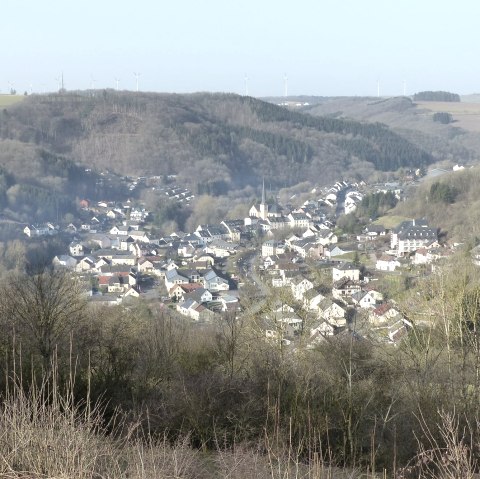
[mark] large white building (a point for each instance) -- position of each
(411, 235)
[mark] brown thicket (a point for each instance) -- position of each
(239, 403)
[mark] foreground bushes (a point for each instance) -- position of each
(43, 434)
(217, 399)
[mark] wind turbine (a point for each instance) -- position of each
(59, 83)
(116, 83)
(92, 83)
(10, 87)
(137, 76)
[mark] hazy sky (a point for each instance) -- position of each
(334, 47)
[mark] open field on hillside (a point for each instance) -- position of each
(466, 115)
(8, 100)
(390, 222)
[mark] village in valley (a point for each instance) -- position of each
(290, 268)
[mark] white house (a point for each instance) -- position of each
(76, 249)
(382, 313)
(300, 286)
(214, 282)
(364, 299)
(85, 264)
(322, 328)
(298, 220)
(64, 261)
(332, 312)
(346, 270)
(345, 288)
(272, 247)
(173, 277)
(312, 298)
(387, 263)
(33, 231)
(335, 251)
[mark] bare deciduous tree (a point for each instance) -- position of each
(41, 309)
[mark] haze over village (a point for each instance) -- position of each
(239, 240)
(322, 283)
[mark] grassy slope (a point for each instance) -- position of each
(460, 220)
(465, 115)
(390, 221)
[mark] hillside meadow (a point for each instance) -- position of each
(465, 115)
(9, 100)
(457, 213)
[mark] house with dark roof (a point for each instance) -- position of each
(298, 220)
(64, 261)
(200, 295)
(220, 248)
(195, 310)
(364, 299)
(33, 231)
(411, 235)
(179, 291)
(85, 264)
(173, 277)
(332, 312)
(312, 298)
(346, 270)
(299, 286)
(344, 288)
(214, 282)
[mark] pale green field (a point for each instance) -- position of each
(466, 115)
(9, 100)
(390, 222)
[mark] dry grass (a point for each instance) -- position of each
(390, 221)
(45, 435)
(466, 115)
(443, 454)
(451, 107)
(9, 100)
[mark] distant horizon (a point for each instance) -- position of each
(300, 95)
(330, 49)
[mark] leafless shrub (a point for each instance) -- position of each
(446, 455)
(150, 458)
(44, 435)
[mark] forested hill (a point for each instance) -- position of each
(214, 142)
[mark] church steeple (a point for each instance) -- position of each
(263, 204)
